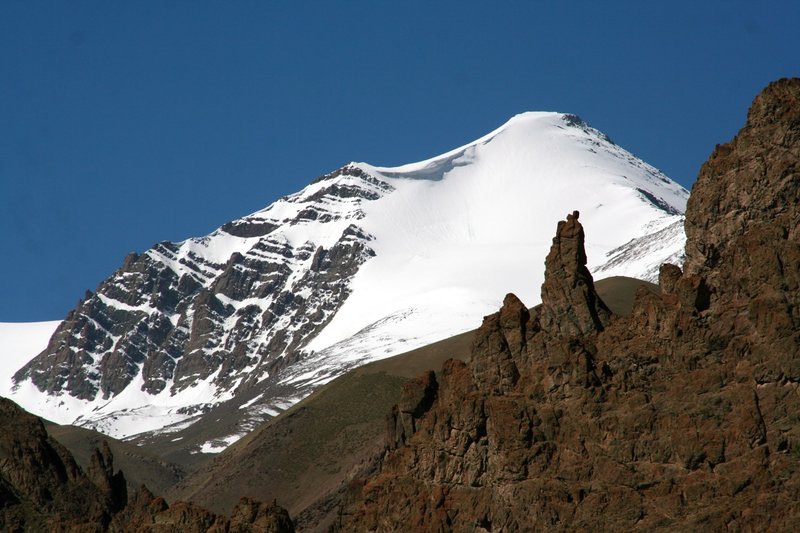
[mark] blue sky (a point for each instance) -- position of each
(127, 123)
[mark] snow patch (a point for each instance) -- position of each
(19, 343)
(219, 445)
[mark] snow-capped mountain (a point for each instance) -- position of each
(363, 263)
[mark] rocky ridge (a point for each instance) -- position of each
(43, 489)
(570, 305)
(40, 483)
(173, 317)
(679, 417)
(169, 310)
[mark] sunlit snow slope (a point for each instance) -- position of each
(19, 343)
(364, 263)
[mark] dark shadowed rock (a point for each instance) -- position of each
(112, 484)
(149, 514)
(250, 515)
(43, 489)
(41, 486)
(415, 400)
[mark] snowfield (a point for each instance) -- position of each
(476, 223)
(19, 343)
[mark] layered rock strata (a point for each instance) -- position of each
(178, 313)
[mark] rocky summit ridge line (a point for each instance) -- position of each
(363, 263)
(681, 417)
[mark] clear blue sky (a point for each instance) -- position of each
(127, 123)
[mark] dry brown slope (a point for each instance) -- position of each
(305, 456)
(141, 467)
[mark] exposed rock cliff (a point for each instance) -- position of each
(41, 486)
(147, 513)
(681, 416)
(43, 489)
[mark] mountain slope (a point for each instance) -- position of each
(307, 455)
(363, 263)
(141, 466)
(680, 417)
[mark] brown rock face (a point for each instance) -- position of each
(101, 472)
(501, 338)
(250, 515)
(743, 231)
(681, 417)
(41, 486)
(417, 397)
(149, 514)
(570, 305)
(743, 212)
(43, 489)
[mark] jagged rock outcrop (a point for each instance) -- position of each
(748, 187)
(570, 305)
(41, 486)
(744, 229)
(417, 397)
(501, 341)
(111, 484)
(250, 515)
(43, 489)
(679, 417)
(150, 514)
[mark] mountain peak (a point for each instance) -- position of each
(363, 263)
(520, 128)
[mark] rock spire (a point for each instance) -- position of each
(570, 305)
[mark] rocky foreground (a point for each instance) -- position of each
(43, 489)
(683, 416)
